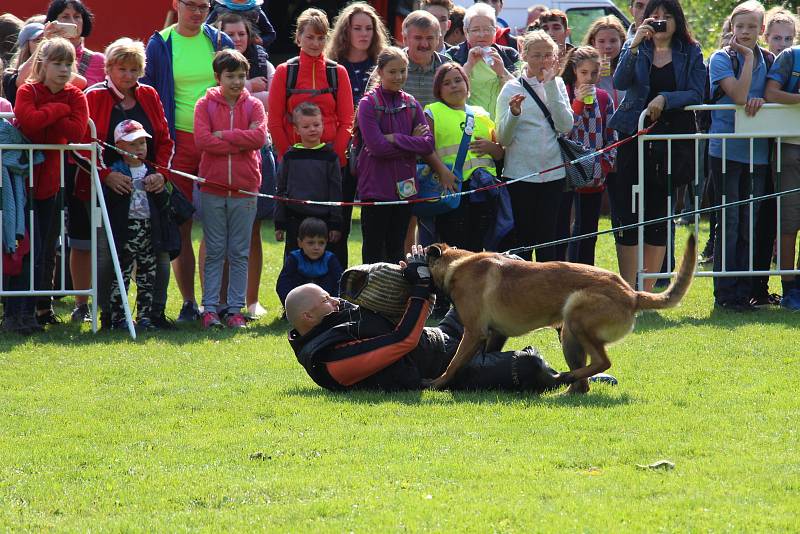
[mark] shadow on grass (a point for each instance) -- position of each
(599, 397)
(650, 321)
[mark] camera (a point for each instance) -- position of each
(659, 26)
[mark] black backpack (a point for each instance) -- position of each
(703, 118)
(293, 68)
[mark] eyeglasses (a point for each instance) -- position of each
(195, 8)
(539, 57)
(484, 30)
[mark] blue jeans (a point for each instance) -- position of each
(736, 185)
(227, 225)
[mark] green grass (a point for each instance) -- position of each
(220, 431)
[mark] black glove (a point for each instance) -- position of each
(416, 271)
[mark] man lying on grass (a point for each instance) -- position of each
(344, 346)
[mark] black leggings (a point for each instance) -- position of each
(383, 230)
(535, 207)
(466, 226)
(620, 196)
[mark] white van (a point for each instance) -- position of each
(581, 13)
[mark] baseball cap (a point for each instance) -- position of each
(29, 32)
(129, 130)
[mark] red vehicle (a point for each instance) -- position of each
(140, 18)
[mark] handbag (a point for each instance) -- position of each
(579, 159)
(429, 184)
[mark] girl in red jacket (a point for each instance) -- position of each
(50, 110)
(229, 129)
(307, 77)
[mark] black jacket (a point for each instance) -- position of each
(354, 348)
(165, 235)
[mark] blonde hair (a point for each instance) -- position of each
(534, 37)
(339, 43)
(313, 17)
(750, 7)
(780, 15)
(609, 22)
(55, 49)
(126, 50)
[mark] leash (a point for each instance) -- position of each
(631, 226)
(287, 200)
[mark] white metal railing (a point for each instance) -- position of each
(776, 121)
(98, 216)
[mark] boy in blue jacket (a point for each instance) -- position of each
(311, 263)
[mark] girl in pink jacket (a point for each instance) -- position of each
(229, 129)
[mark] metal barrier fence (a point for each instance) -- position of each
(98, 216)
(773, 121)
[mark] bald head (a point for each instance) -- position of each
(302, 299)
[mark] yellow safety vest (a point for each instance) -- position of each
(448, 126)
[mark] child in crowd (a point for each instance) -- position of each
(592, 107)
(393, 132)
(555, 23)
(137, 220)
(229, 129)
(468, 225)
(781, 29)
(250, 10)
(783, 88)
(743, 86)
(310, 262)
(607, 34)
(455, 33)
(50, 110)
(309, 171)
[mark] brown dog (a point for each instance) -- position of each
(498, 297)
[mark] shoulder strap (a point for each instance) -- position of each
(86, 59)
(332, 74)
(463, 147)
(794, 77)
(769, 57)
(292, 67)
(539, 102)
(602, 102)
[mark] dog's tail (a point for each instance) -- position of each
(678, 288)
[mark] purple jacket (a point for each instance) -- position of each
(381, 164)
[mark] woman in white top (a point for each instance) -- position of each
(530, 142)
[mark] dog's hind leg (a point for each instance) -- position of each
(575, 355)
(495, 342)
(467, 348)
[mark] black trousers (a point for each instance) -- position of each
(466, 226)
(47, 228)
(536, 207)
(522, 370)
(587, 216)
(383, 230)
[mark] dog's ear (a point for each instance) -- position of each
(434, 251)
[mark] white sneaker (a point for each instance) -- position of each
(256, 310)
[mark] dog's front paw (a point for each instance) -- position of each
(437, 383)
(564, 379)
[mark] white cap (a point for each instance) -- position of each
(129, 130)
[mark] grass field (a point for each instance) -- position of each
(223, 431)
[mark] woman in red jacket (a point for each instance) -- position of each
(50, 110)
(312, 77)
(118, 98)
